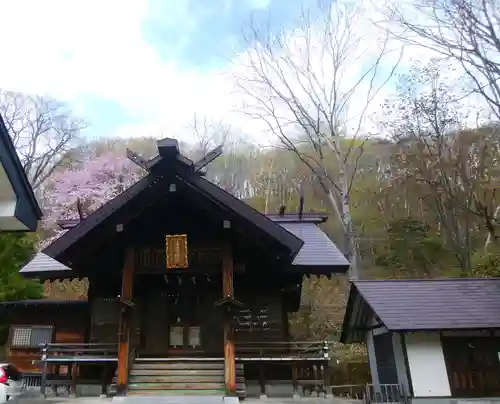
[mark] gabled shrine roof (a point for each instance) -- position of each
(305, 243)
(170, 160)
(422, 305)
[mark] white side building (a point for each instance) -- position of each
(434, 339)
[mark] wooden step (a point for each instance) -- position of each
(176, 392)
(192, 365)
(181, 378)
(181, 386)
(155, 377)
(175, 386)
(176, 372)
(167, 365)
(177, 359)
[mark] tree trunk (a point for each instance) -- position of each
(350, 244)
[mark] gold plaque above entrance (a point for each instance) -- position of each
(176, 251)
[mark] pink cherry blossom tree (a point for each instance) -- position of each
(94, 181)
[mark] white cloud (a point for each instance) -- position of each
(69, 49)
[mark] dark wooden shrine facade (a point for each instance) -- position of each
(243, 275)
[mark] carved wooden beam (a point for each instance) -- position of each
(208, 158)
(68, 223)
(137, 159)
(79, 208)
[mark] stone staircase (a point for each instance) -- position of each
(157, 377)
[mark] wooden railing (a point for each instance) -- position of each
(53, 355)
(283, 351)
(352, 391)
(385, 393)
(370, 394)
(131, 358)
(81, 352)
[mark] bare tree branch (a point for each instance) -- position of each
(468, 31)
(452, 168)
(297, 85)
(43, 131)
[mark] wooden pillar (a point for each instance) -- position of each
(228, 293)
(43, 383)
(57, 375)
(295, 380)
(74, 376)
(262, 380)
(104, 381)
(125, 322)
(326, 370)
(326, 376)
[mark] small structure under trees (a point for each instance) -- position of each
(428, 338)
(189, 290)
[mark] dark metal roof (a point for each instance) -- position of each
(318, 249)
(425, 304)
(43, 263)
(27, 209)
(311, 217)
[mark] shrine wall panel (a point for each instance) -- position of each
(31, 326)
(261, 319)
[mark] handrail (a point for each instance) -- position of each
(77, 350)
(310, 349)
(79, 344)
(385, 393)
(131, 357)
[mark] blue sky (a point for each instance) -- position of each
(194, 39)
(198, 35)
(139, 67)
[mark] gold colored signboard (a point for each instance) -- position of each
(176, 251)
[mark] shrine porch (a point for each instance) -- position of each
(304, 368)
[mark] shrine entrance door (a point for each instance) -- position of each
(184, 325)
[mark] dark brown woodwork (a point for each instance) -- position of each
(473, 366)
(69, 326)
(262, 379)
(295, 378)
(104, 377)
(74, 377)
(151, 260)
(125, 322)
(155, 324)
(228, 293)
